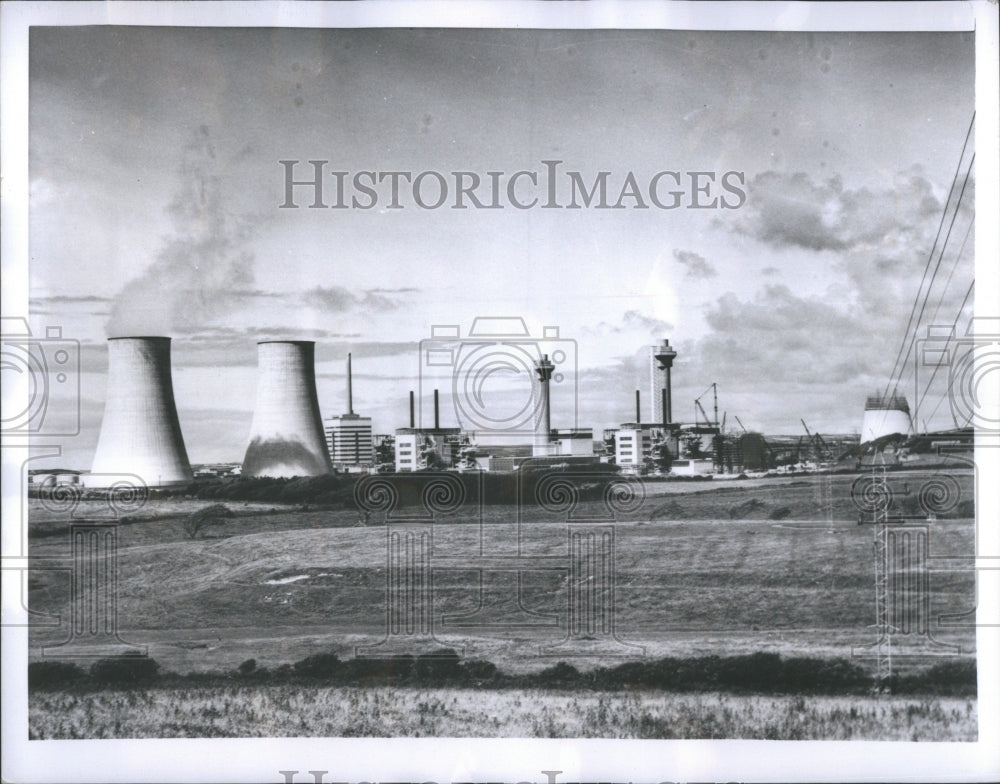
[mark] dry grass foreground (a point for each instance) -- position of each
(303, 711)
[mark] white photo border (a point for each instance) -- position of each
(486, 759)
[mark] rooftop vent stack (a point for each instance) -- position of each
(350, 392)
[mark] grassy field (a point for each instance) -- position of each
(295, 711)
(702, 569)
(277, 584)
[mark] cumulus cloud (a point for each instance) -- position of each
(695, 264)
(779, 336)
(826, 351)
(793, 210)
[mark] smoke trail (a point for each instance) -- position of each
(205, 266)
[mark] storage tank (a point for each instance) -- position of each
(140, 433)
(286, 437)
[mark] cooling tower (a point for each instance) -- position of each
(140, 433)
(286, 437)
(884, 416)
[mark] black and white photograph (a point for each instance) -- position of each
(563, 381)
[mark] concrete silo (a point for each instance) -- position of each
(286, 437)
(140, 432)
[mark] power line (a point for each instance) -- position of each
(954, 267)
(937, 366)
(930, 255)
(937, 266)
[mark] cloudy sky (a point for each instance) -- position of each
(156, 185)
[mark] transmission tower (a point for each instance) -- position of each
(883, 626)
(874, 499)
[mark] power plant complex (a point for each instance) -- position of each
(349, 436)
(141, 436)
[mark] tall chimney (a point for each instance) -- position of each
(543, 425)
(661, 361)
(350, 392)
(638, 409)
(140, 432)
(437, 421)
(413, 422)
(286, 437)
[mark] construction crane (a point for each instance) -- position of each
(740, 423)
(820, 448)
(698, 407)
(714, 422)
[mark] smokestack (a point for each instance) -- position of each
(413, 422)
(543, 426)
(350, 393)
(437, 421)
(140, 432)
(286, 437)
(638, 409)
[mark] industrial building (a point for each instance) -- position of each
(384, 447)
(645, 445)
(633, 447)
(451, 448)
(349, 436)
(49, 479)
(419, 449)
(732, 454)
(556, 443)
(140, 432)
(141, 437)
(286, 436)
(566, 447)
(431, 448)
